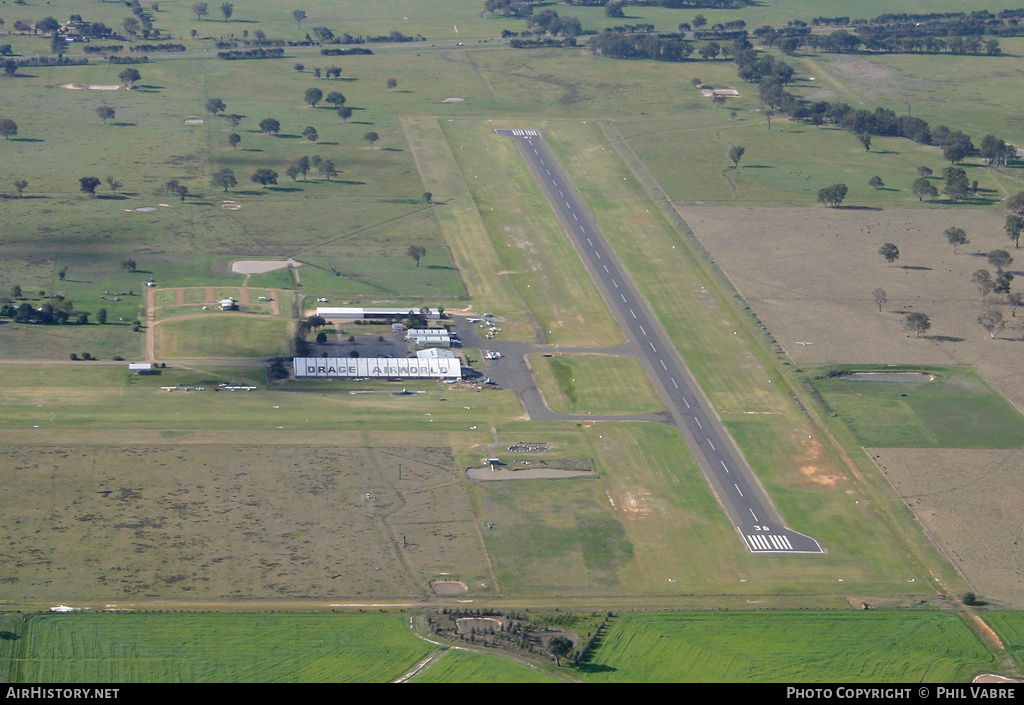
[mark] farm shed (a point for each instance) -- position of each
(387, 367)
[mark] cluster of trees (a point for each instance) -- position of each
(55, 312)
(842, 41)
(303, 165)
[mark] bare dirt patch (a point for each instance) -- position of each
(944, 487)
(255, 266)
(91, 87)
(809, 274)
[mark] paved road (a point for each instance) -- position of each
(745, 501)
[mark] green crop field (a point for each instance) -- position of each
(957, 409)
(213, 648)
(469, 667)
(1010, 628)
(867, 647)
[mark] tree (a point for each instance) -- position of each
(876, 182)
(613, 8)
(299, 16)
(21, 185)
(699, 21)
(344, 112)
(105, 112)
(234, 119)
(1014, 227)
(832, 195)
(264, 177)
(129, 77)
(15, 292)
(303, 164)
(956, 237)
(316, 321)
(918, 323)
(992, 321)
(200, 10)
(8, 128)
(311, 134)
(215, 106)
(314, 96)
(391, 83)
(88, 184)
(416, 252)
(113, 183)
(735, 154)
(427, 197)
(1015, 203)
(224, 178)
(559, 647)
(101, 316)
(880, 297)
(890, 252)
(128, 264)
(335, 98)
(327, 168)
(63, 273)
(768, 115)
(983, 280)
(865, 139)
(924, 172)
(321, 338)
(1000, 259)
(233, 140)
(1015, 299)
(923, 187)
(299, 67)
(270, 126)
(1002, 284)
(10, 67)
(227, 9)
(371, 137)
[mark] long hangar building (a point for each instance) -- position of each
(387, 367)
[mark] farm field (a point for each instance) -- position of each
(956, 409)
(469, 667)
(1008, 625)
(213, 648)
(866, 647)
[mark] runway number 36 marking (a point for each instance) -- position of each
(761, 528)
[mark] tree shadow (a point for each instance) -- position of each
(756, 166)
(123, 124)
(943, 338)
(252, 150)
(859, 208)
(884, 151)
(359, 122)
(284, 189)
(916, 269)
(349, 183)
(26, 139)
(111, 197)
(332, 144)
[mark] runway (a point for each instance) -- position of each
(758, 523)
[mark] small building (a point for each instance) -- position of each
(228, 304)
(363, 312)
(425, 337)
(435, 354)
(141, 368)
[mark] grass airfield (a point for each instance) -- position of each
(298, 494)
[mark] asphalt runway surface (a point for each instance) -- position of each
(757, 521)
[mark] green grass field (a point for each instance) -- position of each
(594, 384)
(867, 647)
(956, 410)
(214, 648)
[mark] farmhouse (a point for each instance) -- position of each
(362, 312)
(386, 367)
